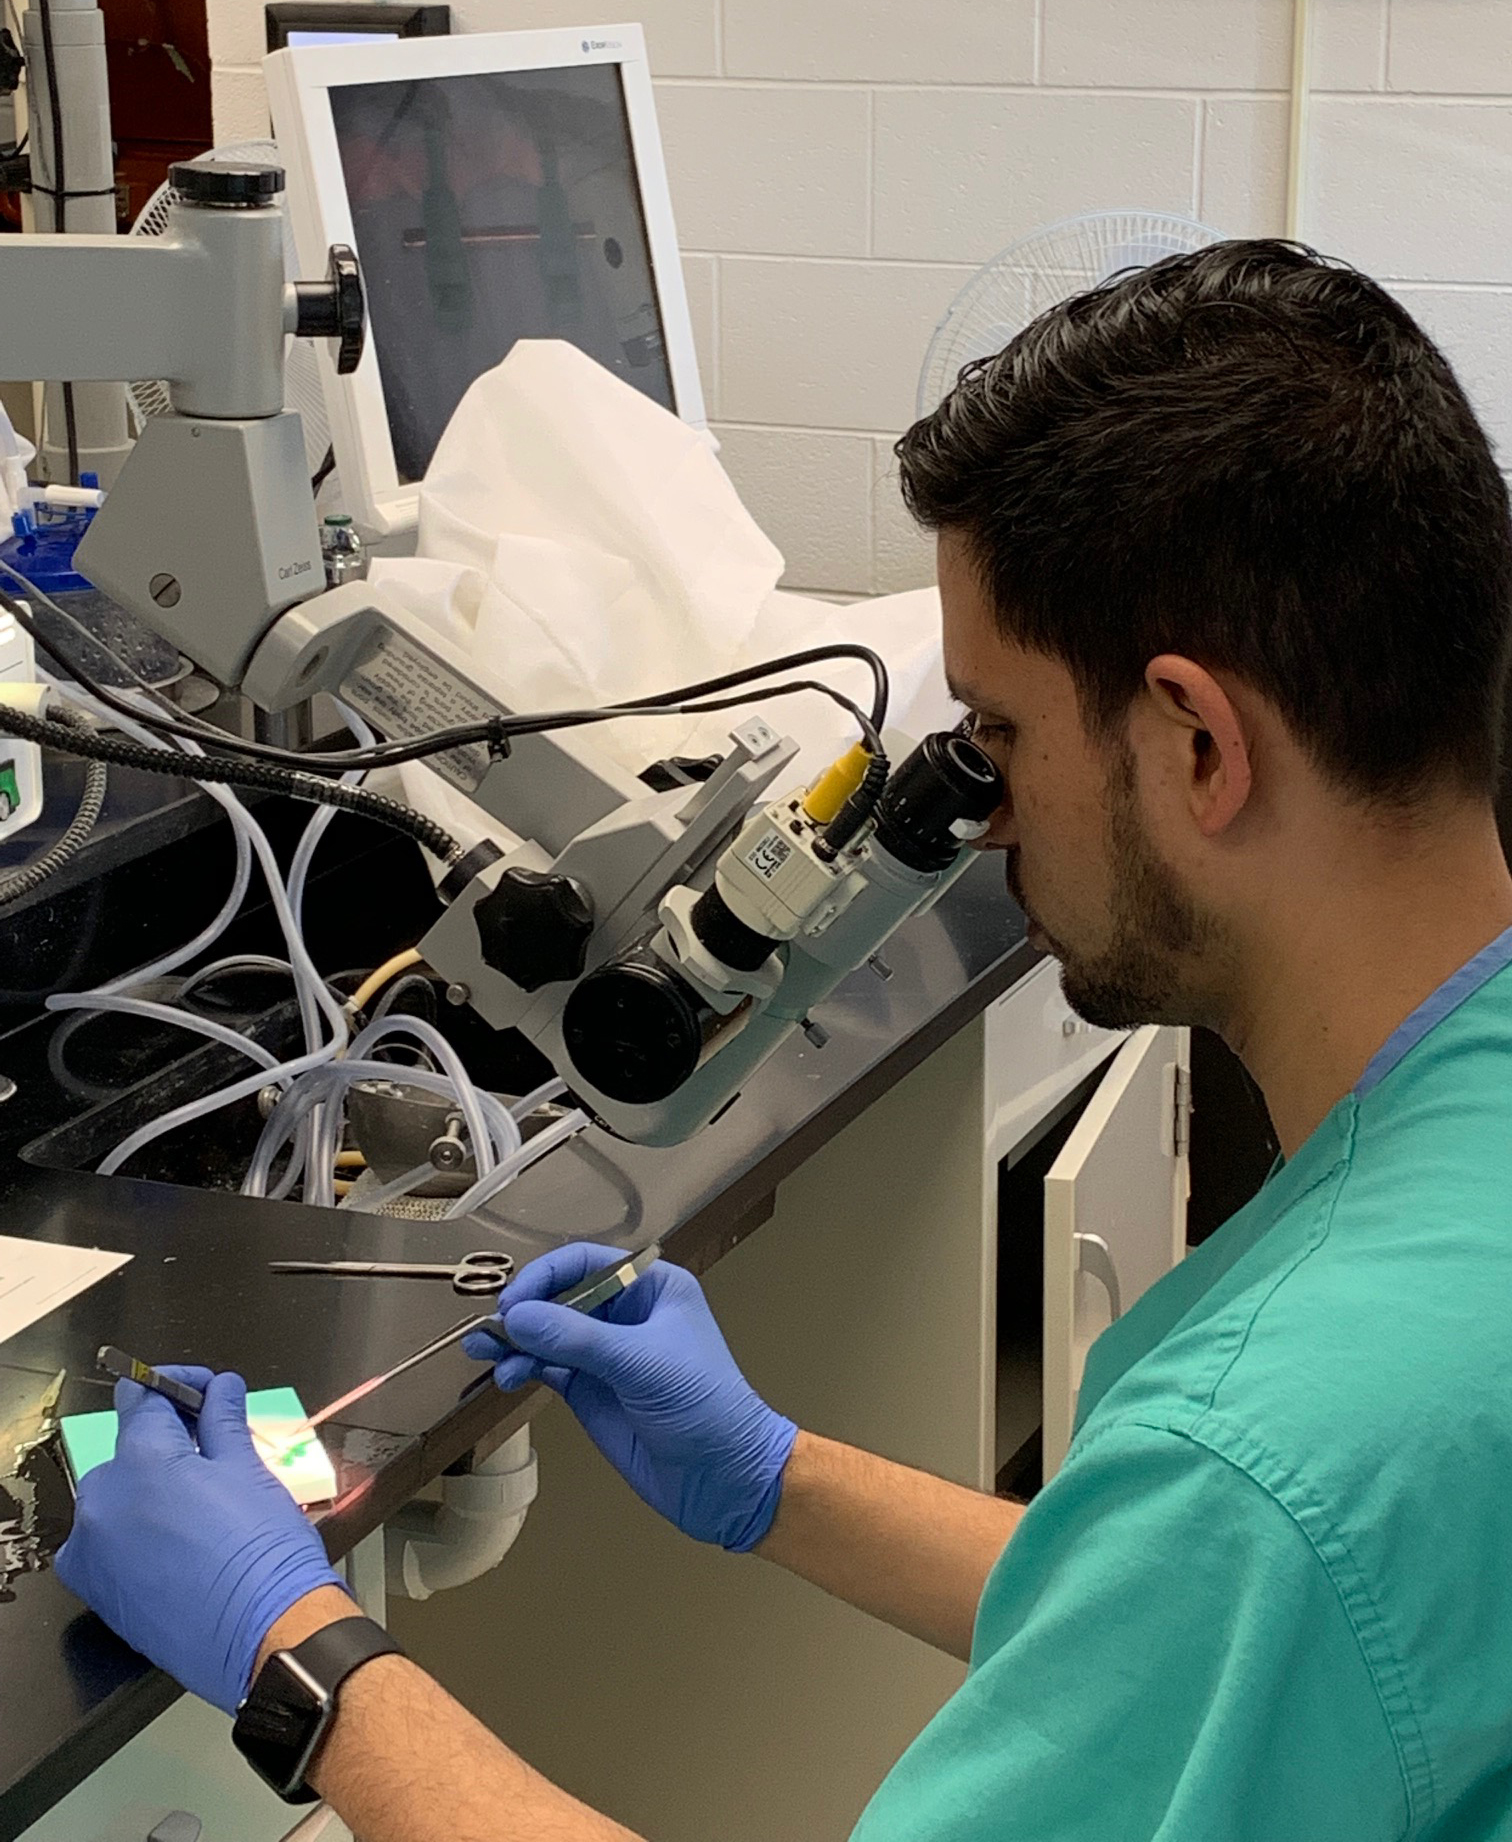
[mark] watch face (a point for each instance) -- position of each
(279, 1725)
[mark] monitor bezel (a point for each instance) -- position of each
(300, 81)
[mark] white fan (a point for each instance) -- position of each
(1045, 267)
(301, 373)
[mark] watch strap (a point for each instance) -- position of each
(335, 1650)
(325, 1659)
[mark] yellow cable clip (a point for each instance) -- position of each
(836, 784)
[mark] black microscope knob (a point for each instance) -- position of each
(534, 927)
(351, 308)
(225, 184)
(335, 308)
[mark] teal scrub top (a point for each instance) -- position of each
(1268, 1597)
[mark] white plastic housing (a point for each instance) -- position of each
(20, 762)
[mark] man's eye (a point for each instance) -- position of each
(993, 732)
(979, 729)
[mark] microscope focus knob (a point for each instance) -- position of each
(534, 927)
(351, 308)
(226, 185)
(335, 308)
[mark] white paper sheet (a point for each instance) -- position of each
(38, 1276)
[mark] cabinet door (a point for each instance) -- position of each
(1038, 1052)
(1115, 1211)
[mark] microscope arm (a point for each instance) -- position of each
(209, 531)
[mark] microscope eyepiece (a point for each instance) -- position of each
(946, 781)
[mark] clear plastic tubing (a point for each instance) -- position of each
(446, 1055)
(163, 1013)
(251, 839)
(314, 996)
(279, 1128)
(321, 820)
(543, 1095)
(237, 962)
(208, 935)
(374, 1200)
(207, 1103)
(503, 1174)
(328, 1082)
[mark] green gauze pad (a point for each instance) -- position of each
(89, 1439)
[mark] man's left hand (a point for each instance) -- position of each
(191, 1551)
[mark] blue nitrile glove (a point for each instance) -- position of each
(191, 1553)
(656, 1389)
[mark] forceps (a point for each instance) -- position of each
(477, 1275)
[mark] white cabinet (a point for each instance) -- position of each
(1115, 1211)
(1037, 1051)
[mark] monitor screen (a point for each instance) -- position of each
(296, 37)
(490, 207)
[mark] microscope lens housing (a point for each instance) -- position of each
(636, 1029)
(639, 1027)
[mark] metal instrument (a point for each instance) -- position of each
(479, 1275)
(131, 1368)
(588, 1294)
(189, 1401)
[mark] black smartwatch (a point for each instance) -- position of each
(291, 1705)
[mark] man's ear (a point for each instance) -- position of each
(1211, 736)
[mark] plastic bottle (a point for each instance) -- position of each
(344, 552)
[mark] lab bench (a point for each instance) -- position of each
(197, 1286)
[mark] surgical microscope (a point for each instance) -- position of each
(657, 942)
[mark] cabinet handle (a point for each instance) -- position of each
(1095, 1258)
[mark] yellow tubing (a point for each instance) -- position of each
(375, 981)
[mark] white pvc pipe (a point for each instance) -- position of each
(431, 1547)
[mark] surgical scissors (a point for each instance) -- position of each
(478, 1275)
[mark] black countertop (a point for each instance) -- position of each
(197, 1289)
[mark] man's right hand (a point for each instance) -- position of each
(656, 1389)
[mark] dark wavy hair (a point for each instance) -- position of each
(1254, 457)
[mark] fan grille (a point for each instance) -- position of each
(1038, 271)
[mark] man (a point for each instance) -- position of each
(1226, 569)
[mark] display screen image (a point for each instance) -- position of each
(488, 208)
(297, 38)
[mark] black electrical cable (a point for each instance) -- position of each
(323, 472)
(71, 430)
(253, 775)
(579, 719)
(495, 732)
(815, 655)
(59, 169)
(847, 822)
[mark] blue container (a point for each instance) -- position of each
(115, 638)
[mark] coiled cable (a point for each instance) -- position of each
(31, 876)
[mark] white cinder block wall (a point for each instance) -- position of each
(840, 167)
